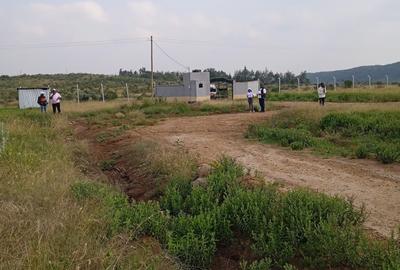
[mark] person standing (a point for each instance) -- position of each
(55, 98)
(250, 97)
(321, 94)
(262, 95)
(42, 101)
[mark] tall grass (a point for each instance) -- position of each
(41, 225)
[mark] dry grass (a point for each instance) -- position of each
(41, 225)
(90, 106)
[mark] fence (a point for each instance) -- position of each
(3, 137)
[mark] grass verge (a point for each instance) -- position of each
(363, 134)
(42, 226)
(343, 96)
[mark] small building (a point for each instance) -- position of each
(28, 97)
(240, 88)
(195, 88)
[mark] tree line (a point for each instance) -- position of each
(265, 76)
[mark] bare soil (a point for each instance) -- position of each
(367, 182)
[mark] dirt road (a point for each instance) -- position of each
(368, 182)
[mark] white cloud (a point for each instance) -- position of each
(144, 10)
(83, 9)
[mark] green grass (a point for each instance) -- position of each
(343, 96)
(370, 134)
(312, 230)
(42, 225)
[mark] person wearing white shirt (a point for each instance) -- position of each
(321, 94)
(250, 97)
(262, 95)
(55, 99)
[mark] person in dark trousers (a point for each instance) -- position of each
(55, 98)
(321, 94)
(42, 101)
(250, 97)
(262, 95)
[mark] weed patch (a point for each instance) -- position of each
(372, 134)
(315, 230)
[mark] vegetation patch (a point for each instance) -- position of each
(342, 96)
(49, 217)
(313, 230)
(372, 134)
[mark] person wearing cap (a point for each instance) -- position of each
(55, 98)
(250, 97)
(42, 101)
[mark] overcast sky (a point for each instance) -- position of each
(314, 35)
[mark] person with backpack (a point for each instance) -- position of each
(262, 95)
(55, 98)
(321, 94)
(250, 97)
(42, 101)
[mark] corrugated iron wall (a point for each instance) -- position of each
(28, 97)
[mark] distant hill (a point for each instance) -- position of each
(377, 72)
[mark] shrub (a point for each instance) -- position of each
(175, 196)
(387, 153)
(224, 177)
(264, 264)
(282, 135)
(200, 201)
(86, 190)
(362, 152)
(107, 165)
(250, 210)
(193, 250)
(148, 219)
(297, 146)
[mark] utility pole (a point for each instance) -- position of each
(353, 81)
(334, 82)
(102, 92)
(127, 91)
(317, 81)
(77, 92)
(152, 67)
(369, 81)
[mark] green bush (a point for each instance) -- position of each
(86, 190)
(224, 178)
(175, 195)
(387, 153)
(361, 152)
(339, 133)
(316, 230)
(191, 249)
(264, 264)
(297, 146)
(281, 135)
(251, 210)
(107, 165)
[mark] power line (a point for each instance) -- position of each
(68, 44)
(171, 58)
